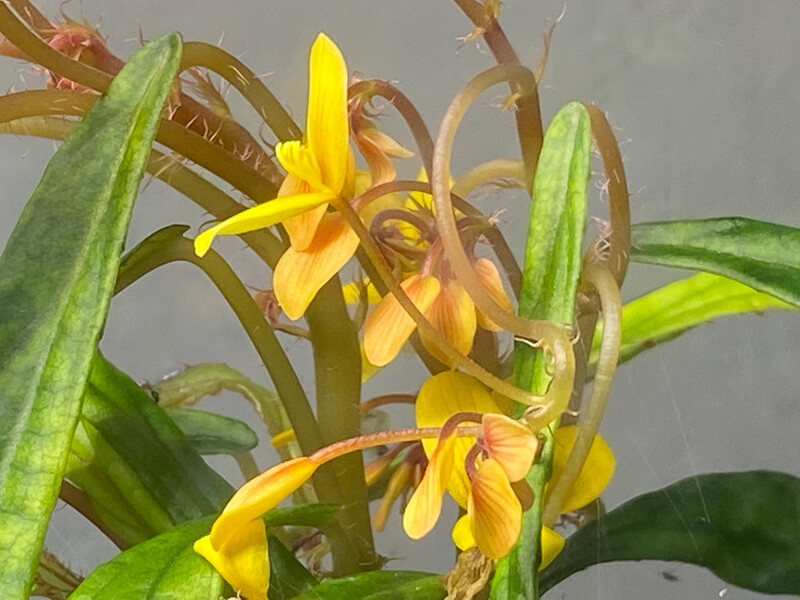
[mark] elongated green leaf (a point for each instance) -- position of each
(765, 256)
(379, 585)
(667, 312)
(145, 455)
(306, 515)
(549, 284)
(56, 277)
(744, 527)
(165, 567)
(210, 433)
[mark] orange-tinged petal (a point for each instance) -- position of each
(301, 164)
(380, 166)
(489, 277)
(494, 510)
(259, 217)
(259, 495)
(552, 544)
(510, 443)
(303, 227)
(462, 534)
(326, 121)
(441, 397)
(241, 559)
(388, 326)
(425, 505)
(298, 276)
(453, 315)
(595, 474)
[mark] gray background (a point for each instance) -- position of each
(704, 98)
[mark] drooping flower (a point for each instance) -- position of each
(237, 544)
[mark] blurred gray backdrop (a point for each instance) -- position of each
(704, 99)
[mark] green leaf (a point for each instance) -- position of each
(210, 433)
(287, 575)
(667, 312)
(379, 585)
(765, 256)
(555, 232)
(165, 567)
(549, 285)
(56, 277)
(744, 527)
(144, 455)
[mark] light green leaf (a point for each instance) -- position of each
(744, 527)
(135, 463)
(379, 585)
(210, 433)
(667, 312)
(549, 284)
(163, 568)
(56, 277)
(765, 256)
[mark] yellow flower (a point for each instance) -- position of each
(478, 472)
(444, 302)
(237, 544)
(494, 509)
(320, 170)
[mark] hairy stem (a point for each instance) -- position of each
(611, 305)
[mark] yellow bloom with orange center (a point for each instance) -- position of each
(320, 170)
(237, 544)
(507, 449)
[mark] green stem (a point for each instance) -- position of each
(337, 368)
(235, 72)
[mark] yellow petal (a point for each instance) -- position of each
(326, 122)
(510, 443)
(241, 559)
(298, 276)
(259, 217)
(439, 398)
(462, 534)
(593, 478)
(425, 505)
(303, 227)
(301, 163)
(489, 277)
(259, 495)
(494, 510)
(453, 315)
(552, 544)
(388, 326)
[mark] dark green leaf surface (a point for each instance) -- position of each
(210, 433)
(669, 311)
(305, 515)
(765, 256)
(744, 527)
(550, 280)
(163, 568)
(379, 585)
(287, 576)
(56, 277)
(163, 466)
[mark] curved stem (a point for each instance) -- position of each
(528, 114)
(169, 170)
(546, 407)
(384, 89)
(485, 172)
(31, 14)
(377, 401)
(605, 284)
(81, 503)
(235, 72)
(618, 199)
